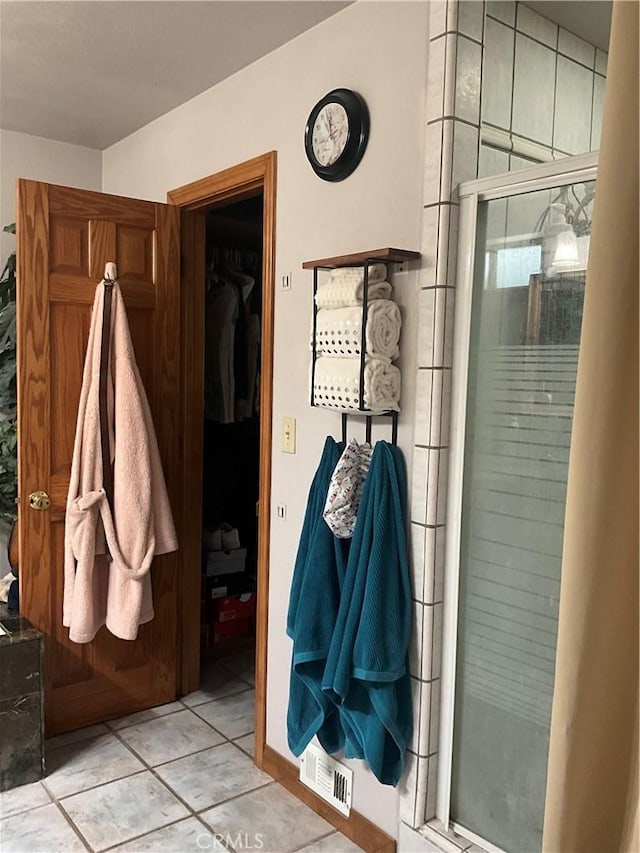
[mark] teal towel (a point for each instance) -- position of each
(313, 608)
(366, 671)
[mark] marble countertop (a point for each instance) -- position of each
(15, 628)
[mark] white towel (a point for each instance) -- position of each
(377, 272)
(337, 384)
(339, 331)
(346, 286)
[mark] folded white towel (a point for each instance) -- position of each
(339, 331)
(337, 384)
(346, 286)
(377, 272)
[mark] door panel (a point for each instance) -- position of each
(65, 237)
(526, 312)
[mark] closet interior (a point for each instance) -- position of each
(231, 428)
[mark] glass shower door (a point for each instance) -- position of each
(526, 311)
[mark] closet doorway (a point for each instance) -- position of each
(227, 271)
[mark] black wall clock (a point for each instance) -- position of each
(336, 134)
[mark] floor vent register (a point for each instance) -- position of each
(327, 778)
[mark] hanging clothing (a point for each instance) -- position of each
(367, 671)
(222, 311)
(109, 547)
(231, 341)
(313, 608)
(241, 359)
(254, 338)
(245, 285)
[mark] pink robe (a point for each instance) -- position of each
(116, 592)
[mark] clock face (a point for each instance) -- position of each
(330, 134)
(336, 134)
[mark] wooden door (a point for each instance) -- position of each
(64, 238)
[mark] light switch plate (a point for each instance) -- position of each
(288, 435)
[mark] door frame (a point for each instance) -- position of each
(234, 184)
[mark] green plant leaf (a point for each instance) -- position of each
(8, 421)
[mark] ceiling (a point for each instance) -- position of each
(93, 72)
(589, 19)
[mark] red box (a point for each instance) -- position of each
(231, 630)
(232, 608)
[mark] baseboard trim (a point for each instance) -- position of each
(358, 828)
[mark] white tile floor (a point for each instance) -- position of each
(173, 779)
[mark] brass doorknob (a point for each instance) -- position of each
(39, 500)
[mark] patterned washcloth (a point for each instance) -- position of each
(337, 384)
(345, 489)
(339, 331)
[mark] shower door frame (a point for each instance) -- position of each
(569, 170)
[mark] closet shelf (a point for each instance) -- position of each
(392, 256)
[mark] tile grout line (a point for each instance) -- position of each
(146, 767)
(237, 796)
(28, 808)
(555, 49)
(164, 826)
(193, 711)
(151, 769)
(55, 748)
(95, 787)
(195, 813)
(66, 817)
(191, 810)
(109, 729)
(246, 751)
(316, 840)
(208, 701)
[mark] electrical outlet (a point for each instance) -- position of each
(281, 512)
(285, 281)
(288, 435)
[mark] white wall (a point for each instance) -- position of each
(380, 50)
(26, 156)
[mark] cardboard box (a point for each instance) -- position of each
(221, 563)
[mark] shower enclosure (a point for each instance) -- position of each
(522, 260)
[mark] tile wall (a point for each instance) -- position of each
(531, 63)
(543, 89)
(451, 156)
